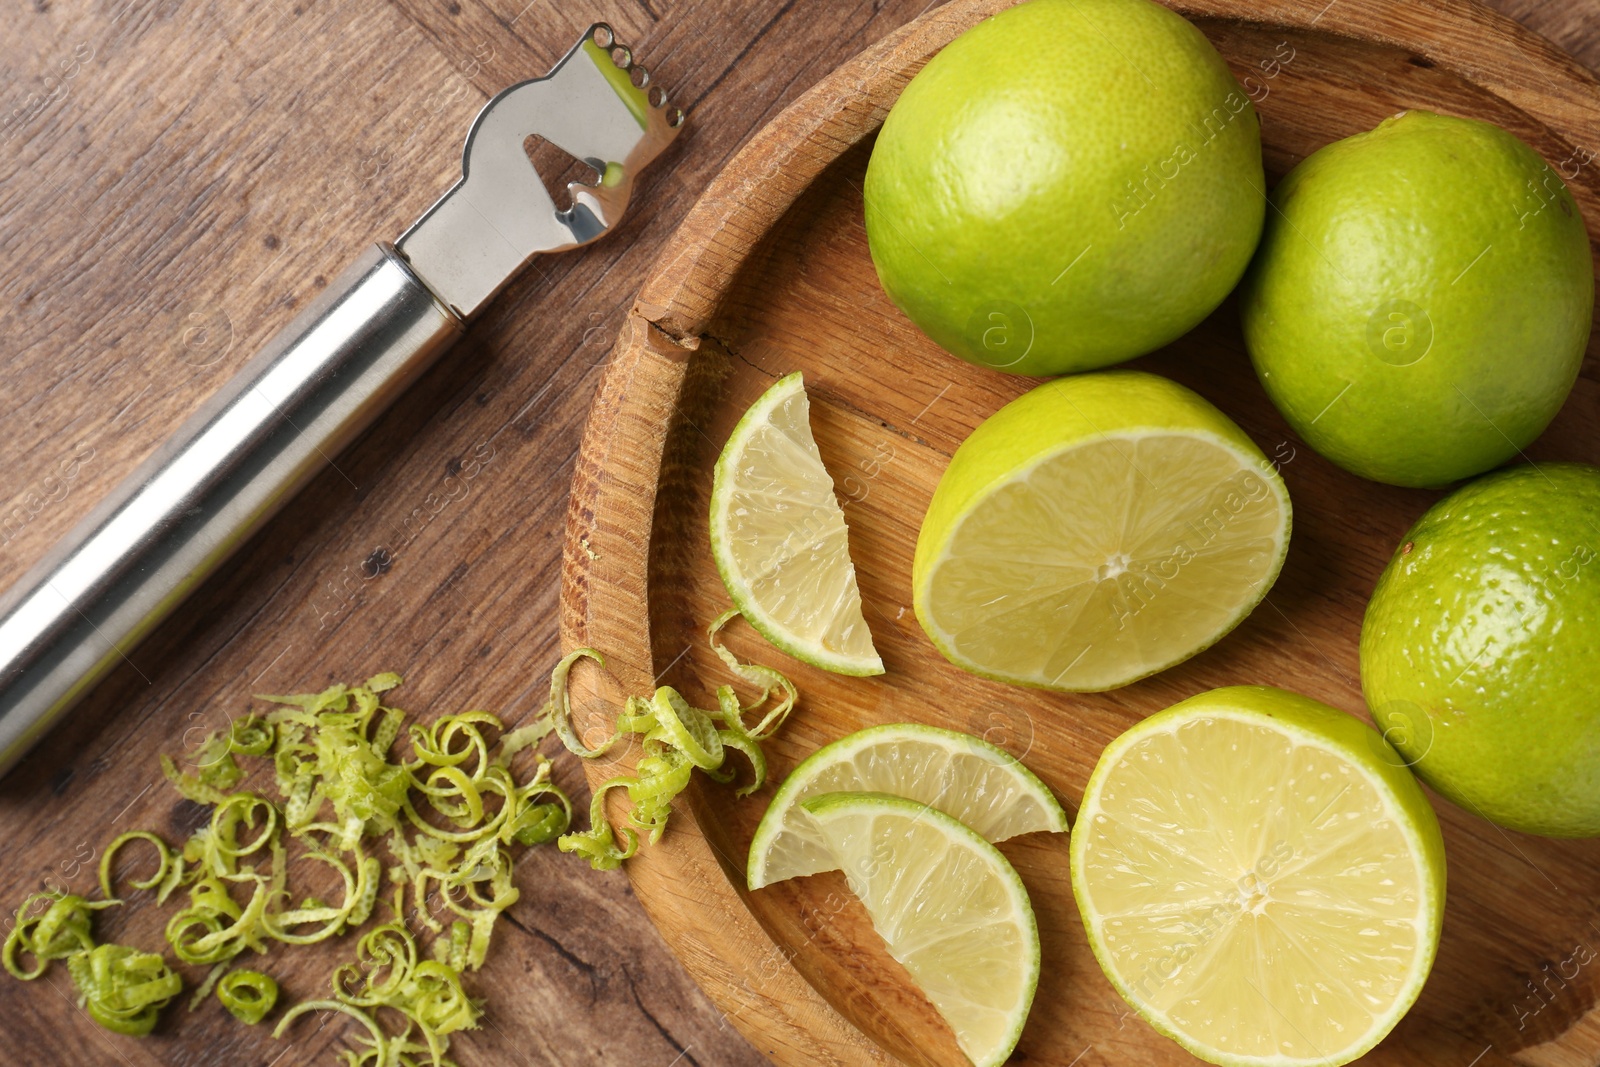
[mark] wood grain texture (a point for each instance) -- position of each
(770, 273)
(176, 178)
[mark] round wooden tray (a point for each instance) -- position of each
(770, 273)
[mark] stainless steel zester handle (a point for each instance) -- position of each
(324, 379)
(236, 461)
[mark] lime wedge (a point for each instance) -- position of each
(1096, 530)
(961, 775)
(948, 905)
(779, 539)
(1260, 877)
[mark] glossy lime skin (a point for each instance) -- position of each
(1421, 300)
(1067, 185)
(1480, 651)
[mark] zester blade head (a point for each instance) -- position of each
(598, 106)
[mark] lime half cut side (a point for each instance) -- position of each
(1096, 530)
(778, 536)
(1260, 878)
(963, 776)
(949, 907)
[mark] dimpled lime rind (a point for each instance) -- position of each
(1480, 651)
(1421, 300)
(1067, 185)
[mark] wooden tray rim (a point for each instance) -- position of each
(720, 942)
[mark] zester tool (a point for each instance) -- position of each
(324, 379)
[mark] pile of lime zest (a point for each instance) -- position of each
(122, 988)
(448, 816)
(61, 930)
(388, 973)
(674, 738)
(248, 995)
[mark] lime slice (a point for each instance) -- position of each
(961, 775)
(1096, 530)
(949, 907)
(1260, 878)
(778, 536)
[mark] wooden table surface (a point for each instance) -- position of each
(176, 178)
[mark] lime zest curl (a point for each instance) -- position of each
(675, 739)
(107, 861)
(379, 1051)
(122, 988)
(559, 708)
(248, 995)
(59, 932)
(771, 681)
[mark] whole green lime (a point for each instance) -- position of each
(1478, 652)
(1069, 184)
(1421, 299)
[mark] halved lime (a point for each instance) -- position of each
(779, 539)
(948, 905)
(1260, 878)
(1096, 530)
(963, 776)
